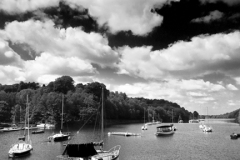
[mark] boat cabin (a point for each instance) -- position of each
(165, 128)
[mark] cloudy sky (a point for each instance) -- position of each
(184, 51)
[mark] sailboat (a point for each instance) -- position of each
(60, 136)
(88, 150)
(144, 127)
(23, 147)
(205, 127)
(180, 119)
(13, 127)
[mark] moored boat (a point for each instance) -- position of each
(23, 147)
(10, 129)
(124, 134)
(207, 129)
(45, 125)
(38, 131)
(144, 127)
(166, 129)
(234, 135)
(194, 121)
(60, 136)
(88, 151)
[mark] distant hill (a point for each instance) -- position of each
(233, 114)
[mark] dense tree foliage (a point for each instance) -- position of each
(81, 102)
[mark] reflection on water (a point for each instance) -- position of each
(189, 142)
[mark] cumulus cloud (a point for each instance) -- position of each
(232, 87)
(231, 103)
(70, 42)
(48, 64)
(213, 16)
(11, 74)
(117, 14)
(202, 55)
(199, 92)
(196, 94)
(22, 6)
(69, 51)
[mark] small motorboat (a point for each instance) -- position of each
(207, 129)
(46, 126)
(234, 136)
(166, 129)
(144, 127)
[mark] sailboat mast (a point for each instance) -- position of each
(62, 112)
(144, 115)
(102, 127)
(28, 116)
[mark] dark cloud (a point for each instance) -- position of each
(177, 24)
(24, 51)
(65, 16)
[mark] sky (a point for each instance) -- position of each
(183, 51)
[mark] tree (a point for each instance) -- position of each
(195, 115)
(64, 84)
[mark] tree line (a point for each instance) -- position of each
(81, 102)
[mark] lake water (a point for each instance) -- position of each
(188, 143)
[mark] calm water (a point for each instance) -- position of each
(188, 143)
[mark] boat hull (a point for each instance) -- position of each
(59, 137)
(38, 132)
(165, 133)
(10, 129)
(62, 138)
(20, 149)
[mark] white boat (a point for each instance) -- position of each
(201, 126)
(88, 150)
(124, 134)
(166, 129)
(60, 136)
(46, 126)
(206, 128)
(23, 147)
(144, 127)
(180, 119)
(194, 121)
(10, 129)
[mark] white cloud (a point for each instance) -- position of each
(231, 103)
(237, 79)
(48, 64)
(21, 6)
(202, 55)
(213, 16)
(70, 42)
(115, 14)
(59, 51)
(118, 13)
(232, 87)
(10, 74)
(185, 92)
(196, 94)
